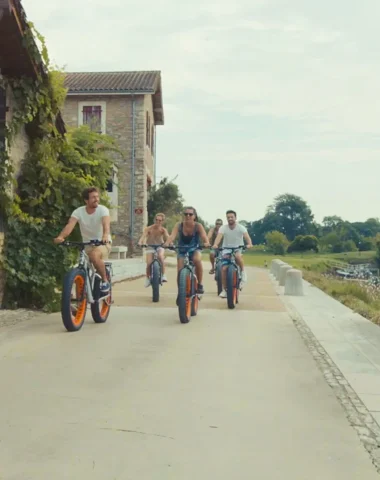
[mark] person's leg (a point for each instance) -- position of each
(96, 254)
(212, 261)
(197, 260)
(161, 259)
(149, 260)
(240, 262)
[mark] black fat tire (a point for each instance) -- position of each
(69, 322)
(218, 277)
(195, 299)
(97, 314)
(155, 281)
(183, 310)
(231, 286)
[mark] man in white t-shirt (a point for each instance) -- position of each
(233, 235)
(94, 223)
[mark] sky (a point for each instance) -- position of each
(261, 97)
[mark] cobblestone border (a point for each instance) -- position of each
(357, 413)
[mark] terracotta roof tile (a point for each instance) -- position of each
(98, 82)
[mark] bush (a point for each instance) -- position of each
(277, 242)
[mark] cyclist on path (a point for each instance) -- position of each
(155, 234)
(233, 235)
(94, 223)
(189, 233)
(212, 236)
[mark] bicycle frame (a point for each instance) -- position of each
(85, 264)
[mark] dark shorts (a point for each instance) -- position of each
(182, 253)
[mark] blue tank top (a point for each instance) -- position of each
(188, 240)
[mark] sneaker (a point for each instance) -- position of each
(223, 294)
(244, 276)
(164, 279)
(147, 282)
(104, 287)
(200, 289)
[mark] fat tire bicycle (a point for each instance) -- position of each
(85, 281)
(188, 298)
(155, 273)
(218, 270)
(233, 276)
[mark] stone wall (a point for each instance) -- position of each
(119, 125)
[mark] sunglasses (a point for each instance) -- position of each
(187, 214)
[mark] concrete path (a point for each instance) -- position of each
(232, 394)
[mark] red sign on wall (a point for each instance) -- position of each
(138, 211)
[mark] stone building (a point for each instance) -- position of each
(128, 106)
(16, 62)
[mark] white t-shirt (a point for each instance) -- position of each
(233, 238)
(91, 226)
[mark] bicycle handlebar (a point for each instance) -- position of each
(95, 243)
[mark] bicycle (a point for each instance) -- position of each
(233, 276)
(85, 281)
(155, 273)
(218, 270)
(188, 298)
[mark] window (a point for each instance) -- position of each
(92, 114)
(152, 140)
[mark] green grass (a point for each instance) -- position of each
(318, 262)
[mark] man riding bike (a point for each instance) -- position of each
(94, 223)
(155, 234)
(190, 232)
(212, 236)
(233, 235)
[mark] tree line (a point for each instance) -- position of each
(287, 226)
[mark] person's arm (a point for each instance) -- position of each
(172, 236)
(165, 235)
(67, 230)
(106, 222)
(203, 235)
(143, 237)
(247, 238)
(218, 237)
(210, 233)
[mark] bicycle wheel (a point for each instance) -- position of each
(155, 280)
(232, 281)
(184, 295)
(194, 299)
(218, 277)
(74, 300)
(100, 309)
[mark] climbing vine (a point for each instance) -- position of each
(55, 170)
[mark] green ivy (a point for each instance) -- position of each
(53, 174)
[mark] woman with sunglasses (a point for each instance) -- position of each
(189, 233)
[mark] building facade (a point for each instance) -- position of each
(128, 106)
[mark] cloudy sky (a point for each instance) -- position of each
(261, 97)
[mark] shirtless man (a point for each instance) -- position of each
(155, 234)
(212, 236)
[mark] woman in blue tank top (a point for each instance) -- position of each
(189, 233)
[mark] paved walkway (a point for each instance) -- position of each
(232, 394)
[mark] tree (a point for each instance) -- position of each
(304, 243)
(294, 214)
(330, 223)
(277, 242)
(164, 197)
